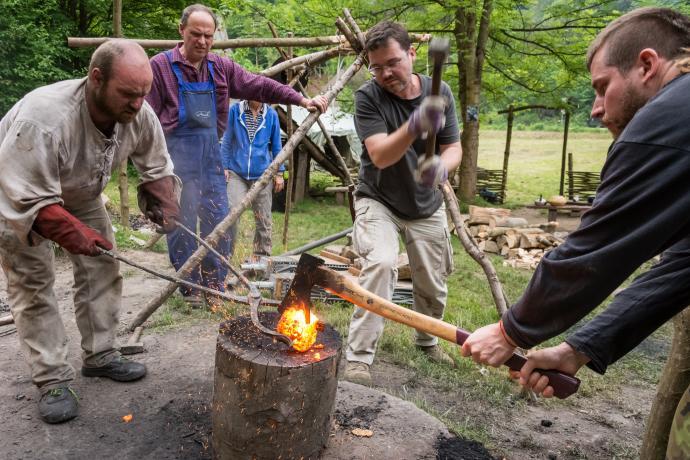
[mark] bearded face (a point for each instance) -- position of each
(630, 102)
(115, 106)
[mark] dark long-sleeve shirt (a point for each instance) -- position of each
(231, 80)
(642, 208)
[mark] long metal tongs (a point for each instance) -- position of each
(254, 298)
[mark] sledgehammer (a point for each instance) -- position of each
(311, 271)
(133, 345)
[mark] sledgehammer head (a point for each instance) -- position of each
(134, 344)
(438, 50)
(306, 276)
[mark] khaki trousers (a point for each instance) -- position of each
(375, 238)
(97, 295)
(237, 189)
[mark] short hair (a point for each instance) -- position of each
(187, 12)
(662, 29)
(379, 35)
(107, 53)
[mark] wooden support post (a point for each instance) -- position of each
(291, 165)
(123, 183)
(673, 383)
(570, 176)
(566, 126)
(224, 226)
(506, 153)
(301, 175)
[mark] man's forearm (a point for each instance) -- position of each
(451, 155)
(387, 149)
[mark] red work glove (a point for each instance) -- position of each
(56, 223)
(162, 207)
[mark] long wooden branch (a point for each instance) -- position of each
(355, 28)
(310, 60)
(92, 42)
(468, 243)
(224, 226)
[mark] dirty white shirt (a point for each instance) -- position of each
(51, 152)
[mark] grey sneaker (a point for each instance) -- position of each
(119, 369)
(436, 354)
(358, 372)
(58, 405)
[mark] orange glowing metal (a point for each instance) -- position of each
(294, 325)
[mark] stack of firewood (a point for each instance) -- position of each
(496, 232)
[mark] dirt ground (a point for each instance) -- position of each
(171, 406)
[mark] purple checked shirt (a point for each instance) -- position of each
(231, 81)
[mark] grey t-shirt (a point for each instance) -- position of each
(378, 111)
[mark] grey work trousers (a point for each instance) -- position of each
(237, 189)
(97, 295)
(430, 254)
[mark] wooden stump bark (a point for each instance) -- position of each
(270, 402)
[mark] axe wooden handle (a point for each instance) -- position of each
(563, 384)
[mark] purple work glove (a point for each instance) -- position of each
(429, 116)
(431, 172)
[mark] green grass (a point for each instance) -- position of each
(534, 166)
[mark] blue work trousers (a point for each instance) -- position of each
(204, 202)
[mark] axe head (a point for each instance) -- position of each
(438, 50)
(306, 276)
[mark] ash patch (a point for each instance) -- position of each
(361, 416)
(4, 306)
(457, 448)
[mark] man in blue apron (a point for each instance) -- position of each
(190, 94)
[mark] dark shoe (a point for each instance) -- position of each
(358, 372)
(119, 369)
(58, 405)
(436, 354)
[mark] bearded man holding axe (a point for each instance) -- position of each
(640, 75)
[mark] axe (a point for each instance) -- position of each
(311, 271)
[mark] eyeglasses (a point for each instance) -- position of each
(379, 69)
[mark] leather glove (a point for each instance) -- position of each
(162, 207)
(429, 116)
(431, 172)
(56, 223)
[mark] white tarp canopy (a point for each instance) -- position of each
(337, 123)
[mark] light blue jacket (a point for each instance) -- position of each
(250, 160)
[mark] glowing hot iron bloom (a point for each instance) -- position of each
(294, 325)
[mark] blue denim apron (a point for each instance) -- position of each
(195, 152)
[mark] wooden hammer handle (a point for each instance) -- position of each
(136, 335)
(563, 384)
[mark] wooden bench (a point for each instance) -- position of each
(553, 210)
(339, 192)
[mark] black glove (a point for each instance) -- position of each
(162, 207)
